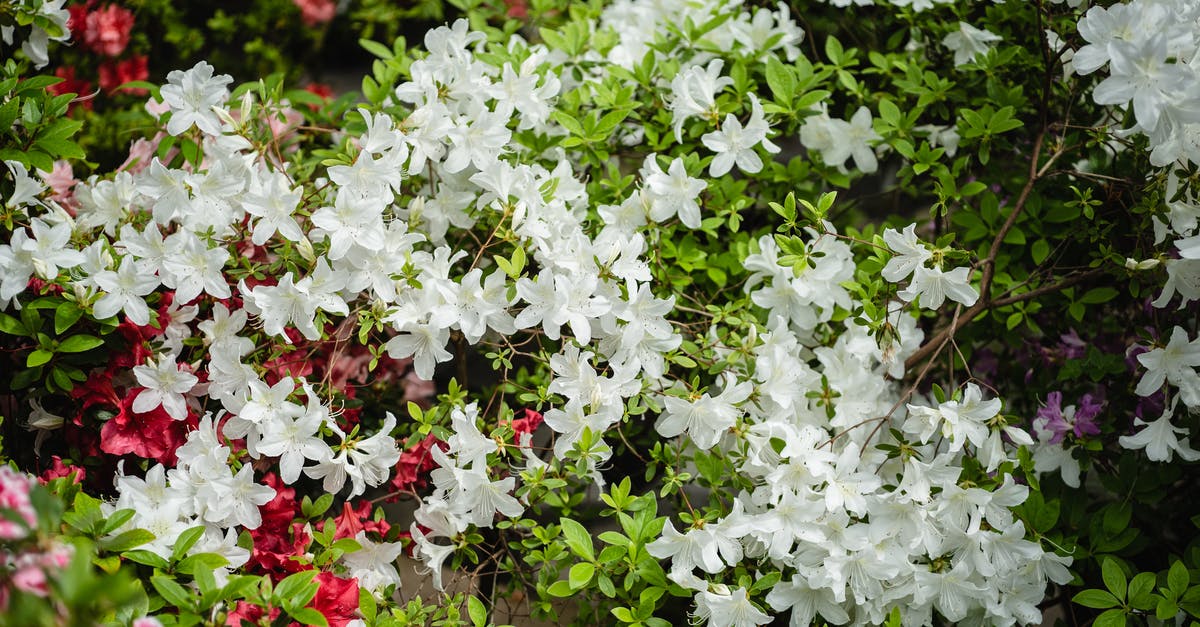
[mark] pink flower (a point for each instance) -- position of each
(141, 151)
(61, 181)
(107, 30)
(315, 12)
(14, 496)
(31, 579)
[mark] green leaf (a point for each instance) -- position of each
(1114, 578)
(65, 315)
(11, 326)
(1111, 618)
(79, 343)
(1167, 608)
(1178, 578)
(172, 592)
(580, 574)
(1140, 591)
(139, 556)
(366, 605)
(294, 588)
(37, 358)
(476, 611)
(377, 49)
(308, 616)
(780, 80)
(577, 538)
(202, 561)
(127, 540)
(889, 112)
(1039, 251)
(560, 589)
(1096, 599)
(186, 541)
(1099, 295)
(118, 518)
(622, 613)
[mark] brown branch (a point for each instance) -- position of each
(988, 264)
(1074, 279)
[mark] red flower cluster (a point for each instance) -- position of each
(104, 30)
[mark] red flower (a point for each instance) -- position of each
(355, 519)
(77, 22)
(336, 600)
(59, 469)
(152, 435)
(114, 74)
(273, 553)
(320, 89)
(527, 424)
(107, 30)
(248, 613)
(315, 12)
(414, 465)
(280, 511)
(72, 85)
(517, 9)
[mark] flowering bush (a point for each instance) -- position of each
(647, 309)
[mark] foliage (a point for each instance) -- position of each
(647, 309)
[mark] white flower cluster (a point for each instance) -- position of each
(930, 283)
(856, 532)
(1151, 49)
(1152, 53)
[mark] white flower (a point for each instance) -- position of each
(908, 253)
(705, 419)
(672, 193)
(374, 565)
(735, 143)
(191, 95)
(165, 384)
(693, 93)
(725, 608)
(934, 286)
(967, 42)
(1160, 438)
(1176, 362)
(125, 291)
(294, 440)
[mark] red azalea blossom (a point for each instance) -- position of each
(526, 424)
(280, 511)
(77, 22)
(414, 465)
(336, 600)
(315, 12)
(107, 30)
(59, 469)
(44, 287)
(72, 85)
(151, 435)
(248, 613)
(517, 9)
(355, 519)
(113, 74)
(273, 552)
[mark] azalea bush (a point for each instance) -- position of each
(620, 313)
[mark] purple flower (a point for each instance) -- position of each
(1085, 416)
(1058, 420)
(1072, 346)
(1052, 417)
